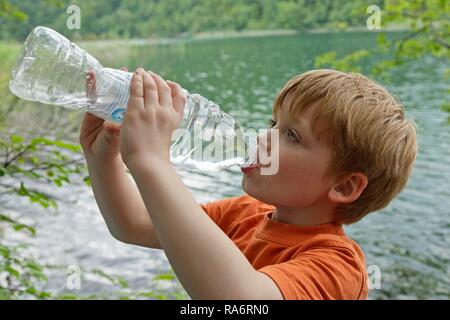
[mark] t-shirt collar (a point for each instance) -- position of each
(291, 233)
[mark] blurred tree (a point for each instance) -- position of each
(428, 33)
(119, 18)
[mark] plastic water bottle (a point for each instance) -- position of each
(53, 70)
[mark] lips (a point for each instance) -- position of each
(247, 169)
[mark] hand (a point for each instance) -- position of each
(98, 138)
(155, 110)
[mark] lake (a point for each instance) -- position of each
(409, 241)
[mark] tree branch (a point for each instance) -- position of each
(21, 153)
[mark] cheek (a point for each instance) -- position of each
(301, 167)
(297, 183)
(301, 178)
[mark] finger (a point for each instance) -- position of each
(91, 119)
(90, 124)
(111, 127)
(178, 96)
(136, 91)
(164, 91)
(150, 91)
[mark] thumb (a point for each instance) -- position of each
(111, 134)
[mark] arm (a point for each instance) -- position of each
(120, 203)
(206, 261)
(116, 195)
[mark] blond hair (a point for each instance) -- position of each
(367, 131)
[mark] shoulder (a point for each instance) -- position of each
(333, 242)
(343, 257)
(325, 267)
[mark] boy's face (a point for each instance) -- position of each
(303, 161)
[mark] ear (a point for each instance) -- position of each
(349, 188)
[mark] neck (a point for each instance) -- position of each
(303, 216)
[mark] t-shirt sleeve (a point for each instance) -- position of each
(226, 213)
(220, 211)
(211, 209)
(320, 273)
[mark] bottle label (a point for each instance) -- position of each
(117, 109)
(118, 114)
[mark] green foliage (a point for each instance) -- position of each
(106, 19)
(52, 161)
(17, 226)
(23, 274)
(350, 62)
(428, 24)
(8, 10)
(22, 160)
(114, 280)
(165, 276)
(40, 159)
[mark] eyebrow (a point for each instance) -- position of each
(305, 130)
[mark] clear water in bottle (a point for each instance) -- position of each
(53, 70)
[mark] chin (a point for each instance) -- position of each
(249, 189)
(246, 186)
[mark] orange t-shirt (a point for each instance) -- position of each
(306, 262)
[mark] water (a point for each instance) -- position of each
(55, 71)
(409, 240)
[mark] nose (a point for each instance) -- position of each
(264, 141)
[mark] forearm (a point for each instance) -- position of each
(119, 200)
(206, 261)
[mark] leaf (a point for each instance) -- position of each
(58, 182)
(12, 271)
(44, 295)
(53, 204)
(34, 160)
(446, 107)
(22, 190)
(20, 226)
(16, 139)
(164, 277)
(114, 280)
(87, 181)
(4, 251)
(325, 59)
(38, 141)
(68, 146)
(36, 270)
(122, 282)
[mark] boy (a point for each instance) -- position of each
(345, 149)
